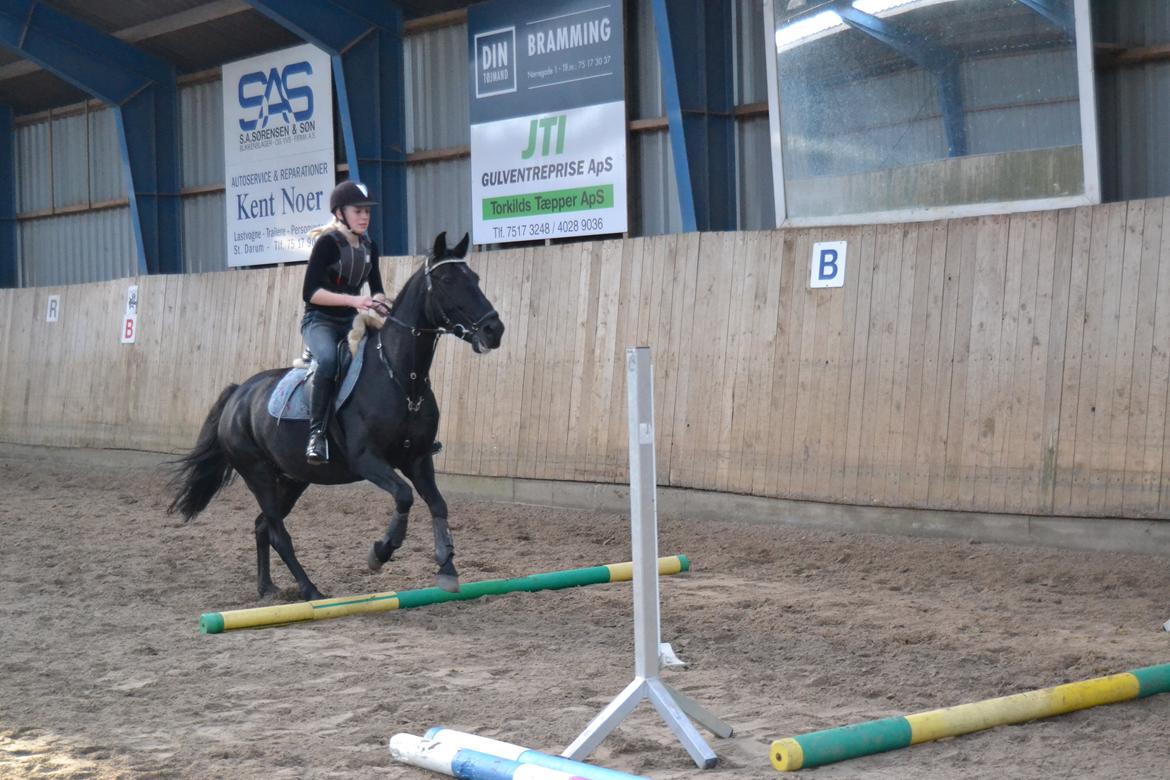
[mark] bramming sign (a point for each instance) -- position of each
(278, 153)
(548, 119)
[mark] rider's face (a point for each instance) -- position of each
(358, 218)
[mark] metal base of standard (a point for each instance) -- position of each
(671, 705)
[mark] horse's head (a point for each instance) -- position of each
(454, 299)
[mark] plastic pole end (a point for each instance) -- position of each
(211, 622)
(786, 755)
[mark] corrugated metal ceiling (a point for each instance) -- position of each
(239, 33)
(223, 40)
(37, 91)
(111, 17)
(114, 15)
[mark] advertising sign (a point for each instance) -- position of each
(130, 319)
(278, 153)
(548, 119)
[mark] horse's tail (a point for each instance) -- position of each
(201, 473)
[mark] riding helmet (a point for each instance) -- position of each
(350, 193)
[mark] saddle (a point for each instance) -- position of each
(290, 398)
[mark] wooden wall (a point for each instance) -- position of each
(1015, 363)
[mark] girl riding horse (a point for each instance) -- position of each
(342, 260)
(385, 431)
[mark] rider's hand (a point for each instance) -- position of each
(361, 302)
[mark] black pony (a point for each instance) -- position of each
(388, 423)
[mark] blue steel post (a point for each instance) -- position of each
(377, 110)
(149, 122)
(695, 47)
(8, 265)
(364, 40)
(143, 93)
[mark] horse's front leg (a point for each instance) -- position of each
(382, 474)
(422, 475)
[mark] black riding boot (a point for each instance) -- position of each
(320, 405)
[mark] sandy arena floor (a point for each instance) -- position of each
(104, 674)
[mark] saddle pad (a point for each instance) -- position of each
(290, 397)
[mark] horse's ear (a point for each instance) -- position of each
(440, 248)
(461, 249)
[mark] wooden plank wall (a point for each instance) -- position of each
(1015, 363)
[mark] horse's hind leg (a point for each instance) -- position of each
(276, 496)
(422, 476)
(281, 542)
(264, 583)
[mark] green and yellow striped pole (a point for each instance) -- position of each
(877, 736)
(323, 609)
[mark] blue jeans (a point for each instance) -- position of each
(322, 334)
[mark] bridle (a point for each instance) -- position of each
(465, 332)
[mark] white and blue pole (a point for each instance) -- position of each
(466, 764)
(523, 755)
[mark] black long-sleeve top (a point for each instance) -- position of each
(337, 267)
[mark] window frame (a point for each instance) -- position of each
(1087, 105)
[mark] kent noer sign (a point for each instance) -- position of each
(548, 119)
(278, 153)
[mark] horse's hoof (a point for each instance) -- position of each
(313, 595)
(372, 560)
(447, 582)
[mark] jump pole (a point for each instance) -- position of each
(323, 609)
(523, 755)
(673, 706)
(467, 764)
(878, 736)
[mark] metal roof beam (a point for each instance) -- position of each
(940, 61)
(142, 91)
(376, 12)
(1057, 13)
(87, 58)
(364, 40)
(331, 27)
(141, 32)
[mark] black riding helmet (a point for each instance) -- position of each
(350, 193)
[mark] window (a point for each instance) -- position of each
(897, 109)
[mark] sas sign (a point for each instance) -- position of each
(278, 153)
(285, 92)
